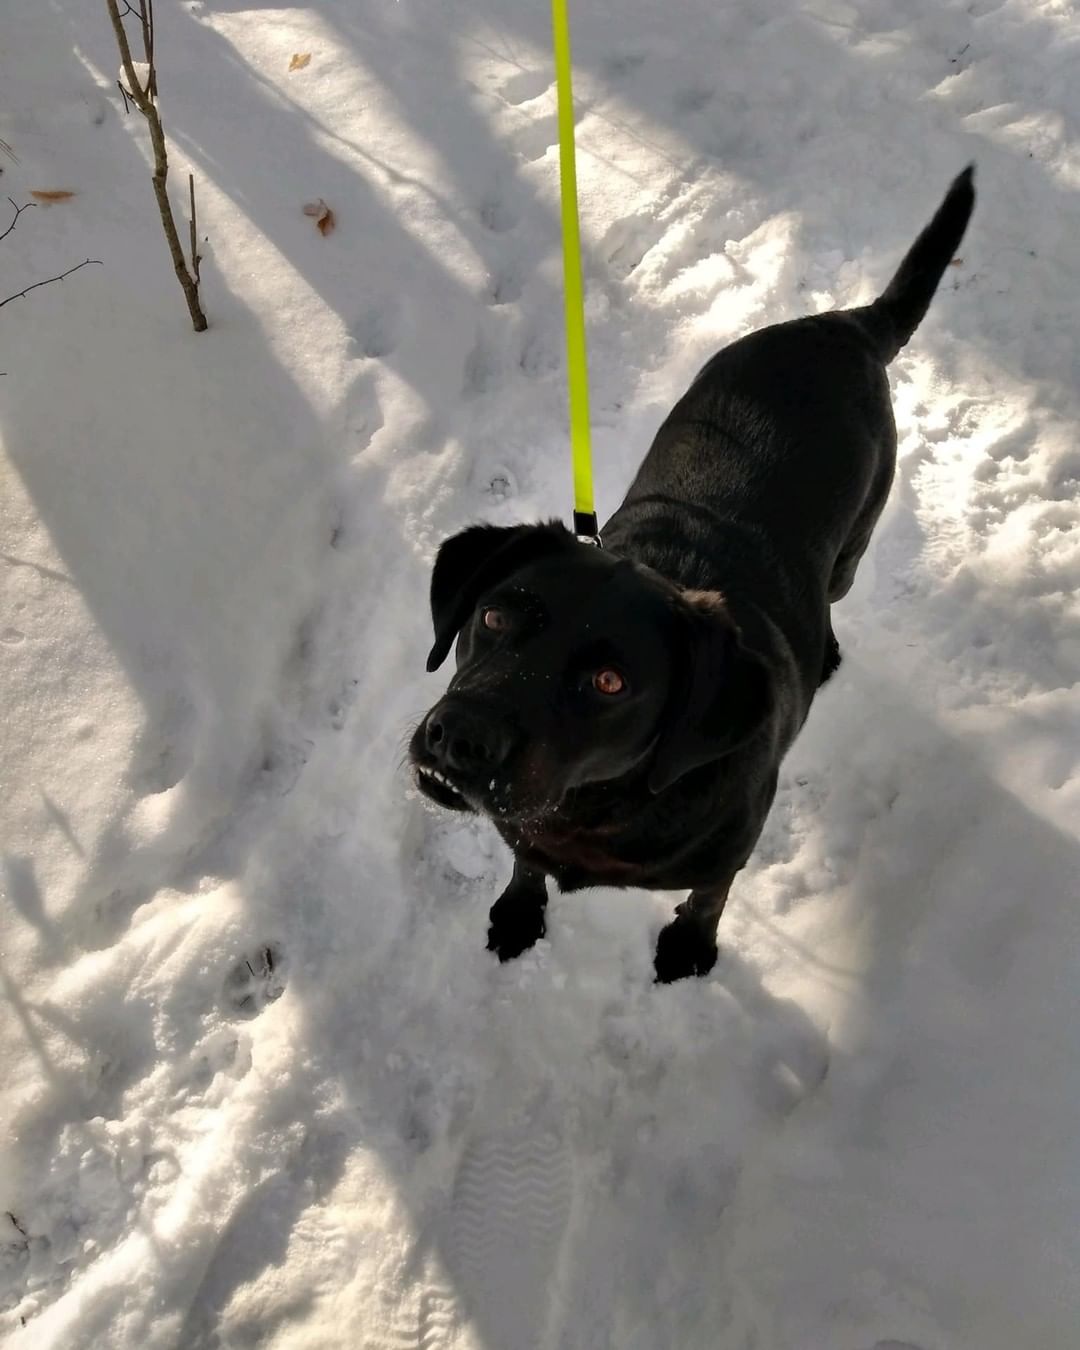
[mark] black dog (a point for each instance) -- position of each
(621, 713)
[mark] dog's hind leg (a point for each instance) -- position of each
(687, 946)
(517, 917)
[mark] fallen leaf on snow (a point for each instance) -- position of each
(324, 217)
(300, 60)
(50, 195)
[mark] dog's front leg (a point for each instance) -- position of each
(687, 946)
(517, 917)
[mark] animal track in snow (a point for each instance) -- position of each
(165, 748)
(482, 367)
(363, 413)
(506, 286)
(509, 1211)
(376, 330)
(788, 1070)
(692, 100)
(525, 86)
(627, 242)
(501, 484)
(539, 356)
(497, 212)
(615, 67)
(256, 980)
(224, 1051)
(533, 140)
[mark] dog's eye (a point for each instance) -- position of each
(497, 620)
(608, 681)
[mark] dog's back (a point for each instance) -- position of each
(774, 466)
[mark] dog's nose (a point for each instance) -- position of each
(466, 741)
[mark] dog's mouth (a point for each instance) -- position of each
(437, 787)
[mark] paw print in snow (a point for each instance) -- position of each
(256, 980)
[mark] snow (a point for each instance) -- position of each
(263, 1085)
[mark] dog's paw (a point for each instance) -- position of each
(514, 929)
(683, 949)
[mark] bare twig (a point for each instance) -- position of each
(14, 220)
(195, 258)
(148, 42)
(124, 95)
(18, 212)
(143, 98)
(90, 262)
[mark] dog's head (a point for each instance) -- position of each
(574, 667)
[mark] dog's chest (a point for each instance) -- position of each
(577, 858)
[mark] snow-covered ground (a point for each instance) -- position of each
(262, 1085)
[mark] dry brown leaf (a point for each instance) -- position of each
(300, 60)
(957, 262)
(324, 217)
(49, 195)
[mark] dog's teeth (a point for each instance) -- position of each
(436, 777)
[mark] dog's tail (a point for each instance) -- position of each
(901, 307)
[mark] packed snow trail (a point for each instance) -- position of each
(263, 1085)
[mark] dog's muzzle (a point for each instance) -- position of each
(460, 754)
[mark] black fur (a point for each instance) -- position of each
(710, 601)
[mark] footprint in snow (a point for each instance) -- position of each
(628, 241)
(497, 212)
(787, 1071)
(501, 484)
(483, 367)
(533, 140)
(165, 748)
(376, 330)
(363, 415)
(255, 981)
(506, 286)
(438, 1319)
(429, 1318)
(624, 64)
(509, 1211)
(692, 100)
(539, 355)
(525, 85)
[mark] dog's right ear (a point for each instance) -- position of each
(476, 559)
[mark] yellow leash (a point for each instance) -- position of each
(576, 367)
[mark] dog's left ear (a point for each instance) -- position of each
(722, 694)
(471, 562)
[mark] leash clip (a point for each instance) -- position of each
(587, 529)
